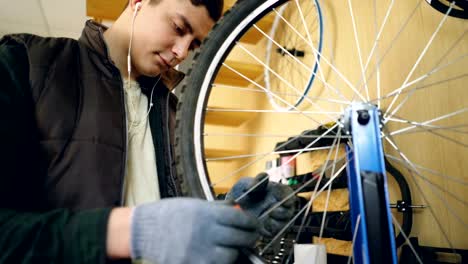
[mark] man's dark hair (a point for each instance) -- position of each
(214, 7)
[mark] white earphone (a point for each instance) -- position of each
(129, 63)
(129, 66)
(137, 6)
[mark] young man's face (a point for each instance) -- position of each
(165, 32)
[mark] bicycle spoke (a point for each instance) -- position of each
(291, 65)
(406, 238)
(265, 153)
(402, 103)
(423, 53)
(322, 226)
(324, 214)
(433, 172)
(304, 23)
(358, 47)
(403, 91)
(447, 128)
(375, 46)
(238, 199)
(428, 127)
(356, 229)
(220, 110)
(447, 138)
(429, 121)
(266, 135)
(457, 142)
(406, 160)
(243, 89)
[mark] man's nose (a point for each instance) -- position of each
(181, 48)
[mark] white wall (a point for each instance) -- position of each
(59, 18)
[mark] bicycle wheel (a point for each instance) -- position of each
(404, 58)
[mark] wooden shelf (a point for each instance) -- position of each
(229, 77)
(105, 9)
(215, 117)
(221, 189)
(219, 153)
(253, 36)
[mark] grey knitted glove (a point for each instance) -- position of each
(262, 200)
(188, 230)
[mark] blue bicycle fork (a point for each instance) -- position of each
(374, 240)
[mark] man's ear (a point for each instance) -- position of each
(138, 6)
(133, 4)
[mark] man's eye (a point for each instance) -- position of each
(193, 47)
(178, 29)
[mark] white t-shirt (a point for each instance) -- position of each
(141, 178)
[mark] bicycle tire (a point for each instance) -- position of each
(442, 7)
(190, 180)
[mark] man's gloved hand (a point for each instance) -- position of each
(266, 195)
(188, 230)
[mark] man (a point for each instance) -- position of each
(86, 147)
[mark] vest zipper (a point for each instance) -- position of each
(124, 178)
(168, 145)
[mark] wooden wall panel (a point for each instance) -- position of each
(105, 9)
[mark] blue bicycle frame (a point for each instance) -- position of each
(367, 183)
